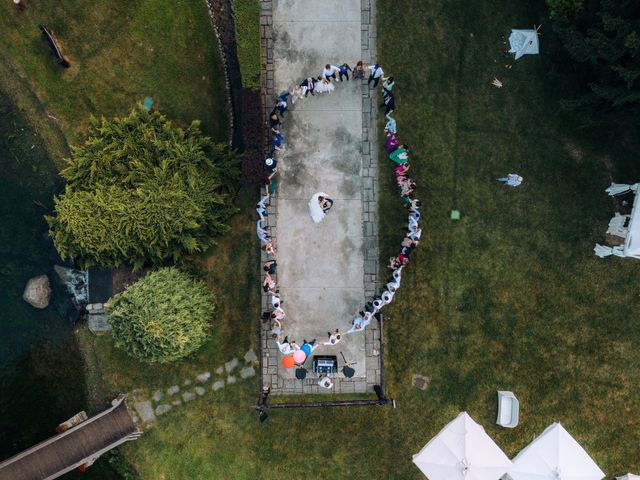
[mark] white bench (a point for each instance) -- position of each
(508, 409)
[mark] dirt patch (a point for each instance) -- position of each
(124, 277)
(254, 139)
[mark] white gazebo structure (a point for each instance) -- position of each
(462, 451)
(624, 226)
(555, 455)
(524, 42)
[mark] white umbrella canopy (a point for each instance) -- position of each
(555, 455)
(462, 451)
(524, 42)
(618, 188)
(629, 476)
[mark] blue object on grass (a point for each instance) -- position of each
(147, 103)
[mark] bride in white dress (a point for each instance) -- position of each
(324, 86)
(315, 206)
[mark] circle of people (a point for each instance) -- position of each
(398, 153)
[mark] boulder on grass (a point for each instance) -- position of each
(37, 292)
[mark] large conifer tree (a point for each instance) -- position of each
(141, 191)
(604, 37)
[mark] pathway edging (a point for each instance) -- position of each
(373, 333)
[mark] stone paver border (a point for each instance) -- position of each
(373, 333)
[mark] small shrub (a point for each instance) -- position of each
(163, 317)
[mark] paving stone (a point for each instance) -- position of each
(247, 372)
(217, 385)
(173, 390)
(187, 382)
(176, 402)
(162, 409)
(199, 391)
(250, 356)
(231, 379)
(220, 370)
(145, 411)
(230, 365)
(203, 377)
(188, 396)
(157, 395)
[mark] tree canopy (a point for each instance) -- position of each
(559, 8)
(163, 317)
(604, 39)
(142, 191)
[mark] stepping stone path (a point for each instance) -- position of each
(230, 365)
(162, 409)
(146, 413)
(188, 396)
(217, 385)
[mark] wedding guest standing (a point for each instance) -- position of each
(375, 74)
(358, 71)
(344, 70)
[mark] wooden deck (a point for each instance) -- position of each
(79, 445)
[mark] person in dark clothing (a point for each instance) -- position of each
(282, 104)
(389, 104)
(308, 86)
(344, 71)
(375, 74)
(274, 120)
(270, 267)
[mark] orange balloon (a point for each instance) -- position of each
(288, 362)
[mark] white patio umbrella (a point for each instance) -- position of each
(524, 42)
(629, 476)
(618, 188)
(555, 455)
(462, 451)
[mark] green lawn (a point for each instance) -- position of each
(509, 297)
(120, 52)
(246, 14)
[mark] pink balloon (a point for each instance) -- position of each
(299, 356)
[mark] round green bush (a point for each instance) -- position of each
(163, 317)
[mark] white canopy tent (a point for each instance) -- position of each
(555, 455)
(625, 226)
(462, 451)
(524, 42)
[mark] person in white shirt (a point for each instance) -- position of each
(375, 74)
(397, 273)
(387, 297)
(330, 72)
(276, 331)
(325, 382)
(275, 298)
(286, 347)
(360, 322)
(414, 233)
(334, 338)
(278, 314)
